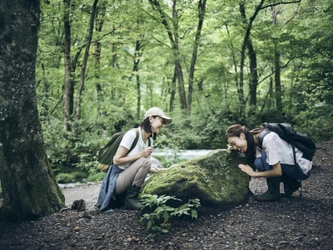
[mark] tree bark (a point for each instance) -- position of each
(173, 90)
(172, 32)
(85, 60)
(98, 51)
(68, 93)
(253, 74)
(247, 35)
(28, 183)
(136, 61)
(277, 69)
(201, 10)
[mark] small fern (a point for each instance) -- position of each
(158, 220)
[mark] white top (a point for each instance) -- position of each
(127, 141)
(278, 150)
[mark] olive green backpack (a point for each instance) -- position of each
(106, 153)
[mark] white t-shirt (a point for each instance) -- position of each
(278, 150)
(127, 141)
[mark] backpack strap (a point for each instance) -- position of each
(150, 141)
(261, 136)
(135, 140)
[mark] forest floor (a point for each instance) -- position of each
(294, 223)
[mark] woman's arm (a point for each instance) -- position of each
(121, 158)
(275, 172)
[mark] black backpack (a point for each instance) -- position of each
(286, 132)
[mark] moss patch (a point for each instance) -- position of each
(214, 178)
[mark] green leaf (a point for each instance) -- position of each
(166, 216)
(149, 225)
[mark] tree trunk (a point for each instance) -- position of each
(97, 74)
(97, 55)
(253, 74)
(114, 65)
(45, 115)
(253, 79)
(202, 10)
(85, 59)
(173, 37)
(277, 70)
(173, 90)
(248, 24)
(68, 93)
(28, 183)
(136, 62)
(177, 55)
(278, 89)
(235, 65)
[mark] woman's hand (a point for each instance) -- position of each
(147, 152)
(156, 170)
(275, 172)
(247, 169)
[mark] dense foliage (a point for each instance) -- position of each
(208, 64)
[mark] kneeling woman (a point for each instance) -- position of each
(274, 160)
(130, 169)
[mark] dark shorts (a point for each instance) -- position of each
(293, 171)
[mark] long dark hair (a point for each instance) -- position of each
(236, 130)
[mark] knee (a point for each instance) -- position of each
(146, 163)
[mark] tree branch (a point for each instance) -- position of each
(276, 4)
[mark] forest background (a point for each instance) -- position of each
(208, 64)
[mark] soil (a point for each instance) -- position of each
(295, 223)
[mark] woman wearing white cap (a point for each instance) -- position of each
(130, 169)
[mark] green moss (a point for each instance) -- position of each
(215, 179)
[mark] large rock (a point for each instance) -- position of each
(214, 178)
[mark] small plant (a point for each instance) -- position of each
(158, 220)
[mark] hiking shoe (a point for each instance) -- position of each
(273, 192)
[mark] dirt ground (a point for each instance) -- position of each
(295, 223)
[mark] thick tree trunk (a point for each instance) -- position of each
(28, 184)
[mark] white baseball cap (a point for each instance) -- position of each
(154, 111)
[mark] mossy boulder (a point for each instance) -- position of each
(214, 178)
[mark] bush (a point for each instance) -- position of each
(71, 177)
(96, 177)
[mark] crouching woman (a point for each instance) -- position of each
(124, 178)
(274, 160)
